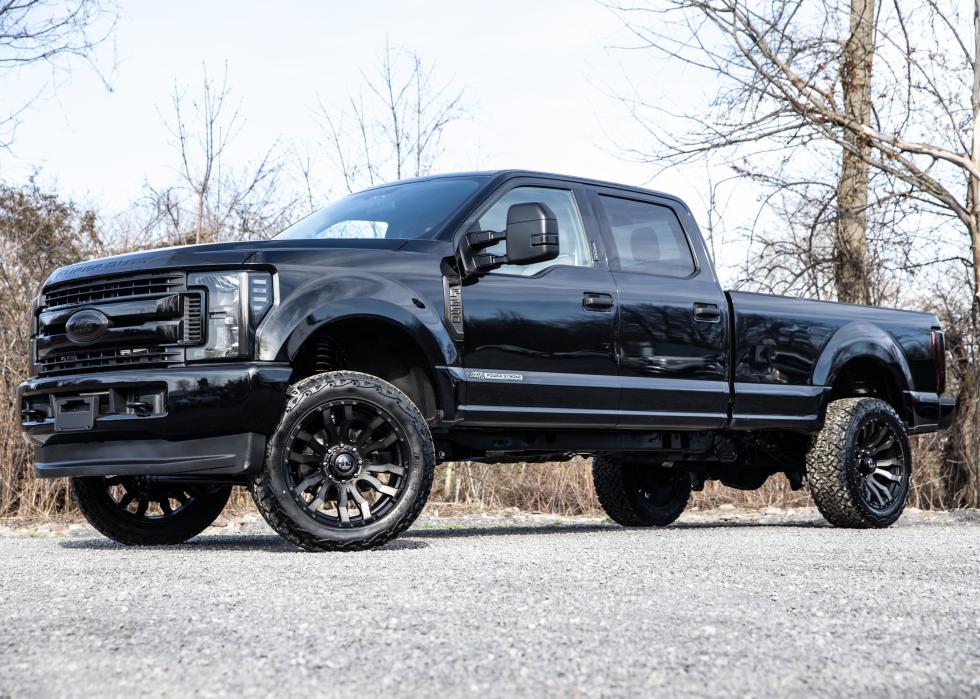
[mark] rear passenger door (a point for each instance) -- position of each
(672, 334)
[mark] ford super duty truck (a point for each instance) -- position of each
(498, 317)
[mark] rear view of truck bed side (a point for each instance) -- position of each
(791, 356)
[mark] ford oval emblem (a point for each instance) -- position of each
(87, 326)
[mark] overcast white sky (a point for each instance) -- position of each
(536, 74)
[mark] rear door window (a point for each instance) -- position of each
(647, 238)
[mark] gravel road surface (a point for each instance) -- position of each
(720, 604)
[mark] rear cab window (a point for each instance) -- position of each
(647, 238)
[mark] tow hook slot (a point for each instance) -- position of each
(75, 413)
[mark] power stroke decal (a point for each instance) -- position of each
(494, 376)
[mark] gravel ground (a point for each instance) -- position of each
(722, 603)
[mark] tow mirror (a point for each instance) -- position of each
(531, 236)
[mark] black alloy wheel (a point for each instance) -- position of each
(640, 494)
(347, 462)
(141, 511)
(350, 465)
(859, 466)
(881, 462)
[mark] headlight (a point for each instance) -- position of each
(236, 303)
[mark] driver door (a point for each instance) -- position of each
(538, 339)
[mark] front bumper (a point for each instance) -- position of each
(205, 419)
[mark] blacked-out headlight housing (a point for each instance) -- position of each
(235, 304)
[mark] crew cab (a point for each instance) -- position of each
(500, 317)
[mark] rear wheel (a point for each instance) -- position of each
(136, 510)
(350, 466)
(637, 494)
(859, 466)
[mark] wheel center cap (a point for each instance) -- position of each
(868, 464)
(343, 463)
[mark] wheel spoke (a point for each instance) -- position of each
(378, 485)
(380, 444)
(304, 458)
(345, 423)
(385, 468)
(887, 444)
(880, 492)
(362, 504)
(181, 497)
(142, 507)
(310, 441)
(366, 433)
(113, 480)
(887, 474)
(890, 463)
(308, 483)
(878, 438)
(165, 505)
(330, 425)
(342, 510)
(321, 496)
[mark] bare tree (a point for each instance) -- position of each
(782, 67)
(392, 128)
(38, 232)
(852, 188)
(212, 199)
(44, 32)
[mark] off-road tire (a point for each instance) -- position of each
(92, 498)
(620, 487)
(280, 509)
(831, 465)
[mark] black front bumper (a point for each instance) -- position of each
(206, 420)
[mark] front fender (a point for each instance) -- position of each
(856, 340)
(349, 295)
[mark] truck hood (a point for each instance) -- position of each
(192, 256)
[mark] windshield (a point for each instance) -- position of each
(409, 210)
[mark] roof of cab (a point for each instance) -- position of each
(502, 175)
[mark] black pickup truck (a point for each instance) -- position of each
(500, 317)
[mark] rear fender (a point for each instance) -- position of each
(861, 340)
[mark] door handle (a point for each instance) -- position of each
(707, 312)
(595, 301)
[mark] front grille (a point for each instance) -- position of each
(123, 358)
(95, 290)
(151, 317)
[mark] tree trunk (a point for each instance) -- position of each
(850, 272)
(961, 462)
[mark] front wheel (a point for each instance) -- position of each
(637, 494)
(349, 467)
(137, 511)
(859, 466)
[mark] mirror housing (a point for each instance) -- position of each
(531, 236)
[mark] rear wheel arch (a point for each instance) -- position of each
(862, 360)
(868, 376)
